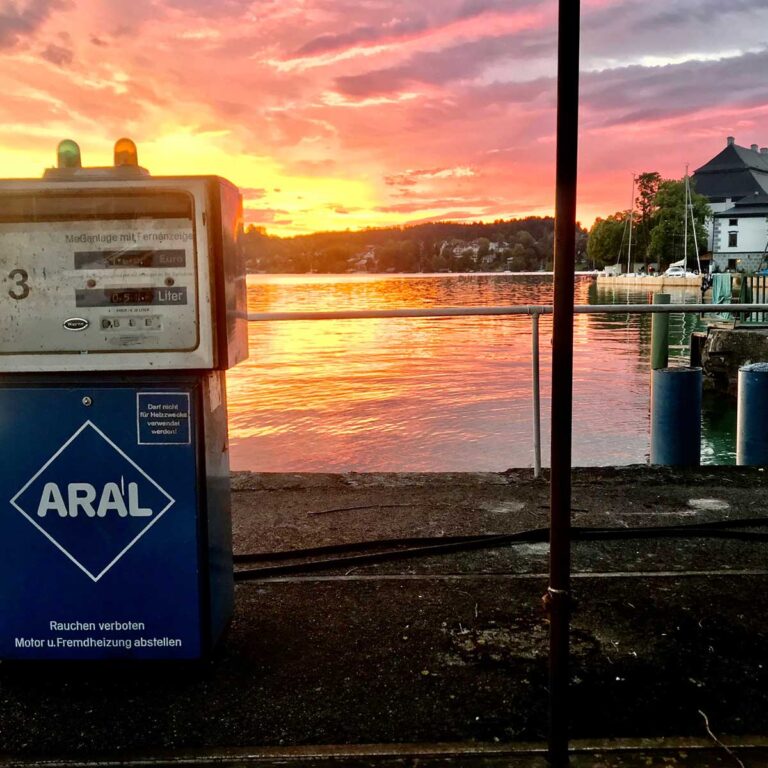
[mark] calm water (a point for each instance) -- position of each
(440, 394)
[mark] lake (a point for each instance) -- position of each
(442, 394)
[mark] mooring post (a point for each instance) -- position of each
(676, 417)
(660, 334)
(752, 415)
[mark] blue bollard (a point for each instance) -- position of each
(676, 417)
(752, 415)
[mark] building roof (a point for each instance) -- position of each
(752, 205)
(735, 172)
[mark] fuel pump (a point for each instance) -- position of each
(122, 304)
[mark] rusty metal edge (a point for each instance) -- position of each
(420, 750)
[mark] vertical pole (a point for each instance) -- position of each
(631, 211)
(536, 395)
(558, 592)
(685, 223)
(660, 334)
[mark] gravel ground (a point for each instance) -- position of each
(665, 631)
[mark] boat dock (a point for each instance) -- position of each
(652, 282)
(440, 658)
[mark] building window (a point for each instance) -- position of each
(733, 222)
(732, 264)
(733, 239)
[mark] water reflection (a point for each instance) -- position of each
(432, 394)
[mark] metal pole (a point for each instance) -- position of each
(685, 223)
(631, 211)
(521, 309)
(660, 334)
(558, 593)
(536, 395)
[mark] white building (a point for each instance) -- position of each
(735, 182)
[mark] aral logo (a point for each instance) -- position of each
(81, 498)
(92, 501)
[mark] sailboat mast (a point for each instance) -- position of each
(631, 210)
(689, 207)
(685, 225)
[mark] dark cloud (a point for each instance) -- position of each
(362, 35)
(463, 61)
(426, 204)
(212, 9)
(18, 20)
(655, 28)
(448, 216)
(684, 13)
(57, 55)
(639, 94)
(445, 12)
(471, 8)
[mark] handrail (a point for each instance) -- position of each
(534, 311)
(519, 309)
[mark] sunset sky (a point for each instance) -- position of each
(335, 114)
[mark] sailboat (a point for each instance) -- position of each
(680, 268)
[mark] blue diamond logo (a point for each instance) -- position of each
(92, 501)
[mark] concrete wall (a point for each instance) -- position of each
(748, 261)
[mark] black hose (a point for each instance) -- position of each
(411, 547)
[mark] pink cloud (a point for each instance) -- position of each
(390, 96)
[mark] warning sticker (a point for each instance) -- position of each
(163, 418)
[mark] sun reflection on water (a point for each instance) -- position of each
(428, 394)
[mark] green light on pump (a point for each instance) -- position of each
(125, 153)
(68, 154)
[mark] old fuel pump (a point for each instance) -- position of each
(122, 303)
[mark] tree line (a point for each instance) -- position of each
(514, 244)
(658, 231)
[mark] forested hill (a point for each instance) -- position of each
(516, 244)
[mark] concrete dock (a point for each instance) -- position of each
(442, 660)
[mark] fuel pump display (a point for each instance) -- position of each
(122, 303)
(118, 283)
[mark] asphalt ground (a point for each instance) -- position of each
(668, 635)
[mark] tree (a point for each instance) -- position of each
(606, 239)
(398, 256)
(647, 210)
(666, 243)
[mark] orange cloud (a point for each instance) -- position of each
(342, 113)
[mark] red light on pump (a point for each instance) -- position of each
(68, 154)
(125, 153)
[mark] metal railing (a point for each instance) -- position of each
(758, 292)
(534, 311)
(557, 597)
